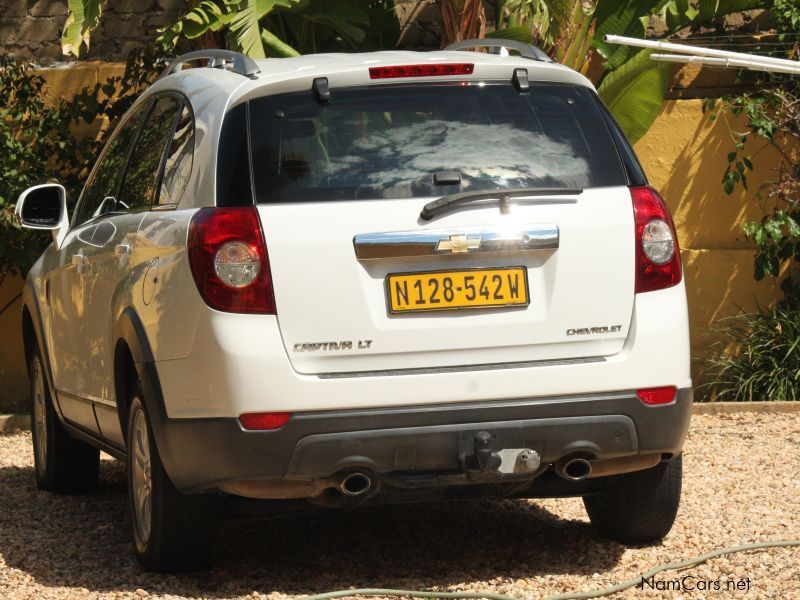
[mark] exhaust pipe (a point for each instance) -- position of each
(355, 484)
(574, 469)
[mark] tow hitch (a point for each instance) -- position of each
(488, 456)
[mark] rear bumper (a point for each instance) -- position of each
(204, 454)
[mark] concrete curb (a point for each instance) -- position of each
(9, 423)
(727, 408)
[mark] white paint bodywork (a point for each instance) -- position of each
(347, 300)
(214, 364)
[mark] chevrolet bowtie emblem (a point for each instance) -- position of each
(458, 244)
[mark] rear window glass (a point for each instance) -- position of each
(389, 141)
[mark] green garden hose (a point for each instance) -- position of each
(624, 585)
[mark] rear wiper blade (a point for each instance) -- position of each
(445, 203)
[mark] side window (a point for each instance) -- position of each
(140, 182)
(109, 172)
(178, 163)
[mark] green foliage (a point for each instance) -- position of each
(763, 362)
(239, 17)
(771, 115)
(281, 28)
(84, 15)
(261, 28)
(541, 18)
(632, 85)
(634, 93)
(760, 359)
(322, 26)
(787, 14)
(42, 142)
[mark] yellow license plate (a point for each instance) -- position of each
(446, 290)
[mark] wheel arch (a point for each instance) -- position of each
(133, 359)
(33, 337)
(28, 335)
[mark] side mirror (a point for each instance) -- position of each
(44, 208)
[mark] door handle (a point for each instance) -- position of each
(81, 263)
(122, 249)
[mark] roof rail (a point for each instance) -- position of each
(525, 50)
(217, 58)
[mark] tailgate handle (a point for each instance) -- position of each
(443, 242)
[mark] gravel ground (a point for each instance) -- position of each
(741, 485)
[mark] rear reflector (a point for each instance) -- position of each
(264, 421)
(657, 395)
(428, 70)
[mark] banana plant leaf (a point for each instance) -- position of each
(626, 17)
(206, 16)
(245, 26)
(83, 17)
(518, 33)
(635, 92)
(275, 46)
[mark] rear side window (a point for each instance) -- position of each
(234, 185)
(141, 178)
(389, 141)
(178, 161)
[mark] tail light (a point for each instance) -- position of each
(658, 259)
(424, 70)
(264, 421)
(228, 257)
(657, 395)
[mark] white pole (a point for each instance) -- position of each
(727, 62)
(698, 51)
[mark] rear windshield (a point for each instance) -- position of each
(390, 141)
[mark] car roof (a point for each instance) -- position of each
(281, 75)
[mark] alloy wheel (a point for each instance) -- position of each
(40, 416)
(141, 476)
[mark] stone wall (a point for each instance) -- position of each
(31, 29)
(420, 23)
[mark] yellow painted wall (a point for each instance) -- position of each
(60, 83)
(13, 377)
(684, 155)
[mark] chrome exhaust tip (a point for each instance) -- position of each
(575, 469)
(355, 484)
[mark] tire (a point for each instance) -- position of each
(638, 507)
(62, 464)
(172, 532)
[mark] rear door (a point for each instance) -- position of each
(363, 283)
(111, 256)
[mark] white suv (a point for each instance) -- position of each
(345, 279)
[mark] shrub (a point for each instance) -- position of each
(41, 142)
(759, 358)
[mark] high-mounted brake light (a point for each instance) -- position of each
(658, 259)
(425, 70)
(657, 395)
(228, 257)
(264, 421)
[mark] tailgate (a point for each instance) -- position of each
(334, 312)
